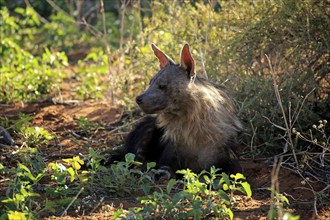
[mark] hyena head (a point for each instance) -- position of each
(167, 88)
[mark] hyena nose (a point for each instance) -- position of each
(139, 100)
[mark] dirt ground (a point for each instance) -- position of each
(60, 119)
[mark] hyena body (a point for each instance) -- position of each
(192, 122)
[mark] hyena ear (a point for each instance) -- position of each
(162, 57)
(187, 61)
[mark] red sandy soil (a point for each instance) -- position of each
(60, 119)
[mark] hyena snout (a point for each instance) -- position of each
(144, 103)
(139, 100)
(150, 103)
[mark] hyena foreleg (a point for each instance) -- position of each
(145, 141)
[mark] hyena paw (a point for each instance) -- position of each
(162, 173)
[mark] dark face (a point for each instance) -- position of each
(163, 91)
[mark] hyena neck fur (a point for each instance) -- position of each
(204, 119)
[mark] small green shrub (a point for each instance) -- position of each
(202, 196)
(36, 136)
(20, 195)
(16, 125)
(278, 203)
(122, 178)
(87, 126)
(24, 188)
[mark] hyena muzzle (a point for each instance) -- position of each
(190, 123)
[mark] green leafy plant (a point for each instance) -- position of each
(202, 196)
(36, 136)
(122, 178)
(17, 215)
(23, 189)
(94, 161)
(20, 195)
(87, 126)
(74, 169)
(62, 173)
(16, 125)
(278, 203)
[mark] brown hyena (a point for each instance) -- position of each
(191, 122)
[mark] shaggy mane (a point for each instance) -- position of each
(205, 119)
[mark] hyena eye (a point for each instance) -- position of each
(162, 87)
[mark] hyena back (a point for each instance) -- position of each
(191, 123)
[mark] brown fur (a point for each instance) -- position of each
(197, 118)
